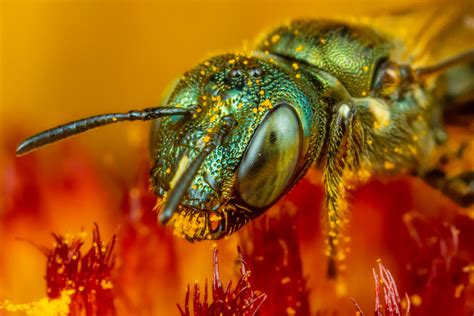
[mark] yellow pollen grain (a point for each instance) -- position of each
(246, 62)
(275, 38)
(254, 110)
(232, 61)
(267, 103)
(364, 93)
(298, 76)
(299, 48)
(262, 92)
(365, 68)
(285, 280)
(369, 141)
(266, 43)
(202, 72)
(114, 119)
(388, 165)
(106, 284)
(215, 218)
(295, 66)
(458, 290)
(290, 311)
(240, 105)
(194, 187)
(206, 139)
(415, 299)
(206, 63)
(322, 41)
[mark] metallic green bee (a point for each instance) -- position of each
(240, 130)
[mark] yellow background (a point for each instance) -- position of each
(64, 60)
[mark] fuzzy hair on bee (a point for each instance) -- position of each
(239, 130)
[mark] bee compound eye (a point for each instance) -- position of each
(271, 157)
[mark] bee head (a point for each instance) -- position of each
(249, 137)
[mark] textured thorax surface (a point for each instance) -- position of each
(349, 53)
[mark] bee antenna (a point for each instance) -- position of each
(76, 127)
(176, 194)
(174, 197)
(444, 64)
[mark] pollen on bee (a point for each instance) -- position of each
(254, 110)
(365, 68)
(295, 66)
(232, 61)
(240, 105)
(262, 92)
(388, 165)
(364, 93)
(299, 48)
(206, 139)
(202, 72)
(214, 218)
(298, 76)
(322, 40)
(114, 119)
(267, 52)
(275, 38)
(168, 170)
(206, 63)
(267, 103)
(246, 62)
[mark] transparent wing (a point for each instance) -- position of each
(426, 34)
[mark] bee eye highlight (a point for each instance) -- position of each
(271, 158)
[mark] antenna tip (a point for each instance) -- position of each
(164, 217)
(22, 149)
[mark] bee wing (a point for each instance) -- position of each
(427, 34)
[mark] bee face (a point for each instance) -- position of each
(273, 120)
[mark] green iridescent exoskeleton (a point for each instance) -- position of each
(238, 131)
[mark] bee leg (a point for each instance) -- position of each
(459, 188)
(342, 155)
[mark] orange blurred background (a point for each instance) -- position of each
(64, 60)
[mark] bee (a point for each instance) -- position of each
(239, 130)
